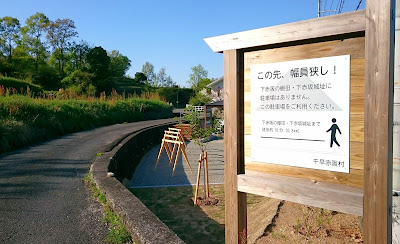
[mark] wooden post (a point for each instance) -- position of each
(235, 202)
(378, 126)
(206, 174)
(198, 179)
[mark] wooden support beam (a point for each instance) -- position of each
(235, 202)
(378, 128)
(330, 196)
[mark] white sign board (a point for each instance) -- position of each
(300, 113)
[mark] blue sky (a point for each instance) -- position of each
(168, 33)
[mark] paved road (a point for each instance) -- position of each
(43, 198)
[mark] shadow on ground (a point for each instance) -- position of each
(170, 198)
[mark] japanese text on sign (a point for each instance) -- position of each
(300, 113)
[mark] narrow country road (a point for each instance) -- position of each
(43, 198)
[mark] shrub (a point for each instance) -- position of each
(25, 120)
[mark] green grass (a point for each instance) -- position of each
(193, 224)
(25, 120)
(16, 86)
(118, 233)
(127, 86)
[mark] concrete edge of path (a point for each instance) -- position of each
(142, 224)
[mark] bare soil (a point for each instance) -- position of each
(208, 201)
(296, 223)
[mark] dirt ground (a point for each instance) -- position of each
(296, 223)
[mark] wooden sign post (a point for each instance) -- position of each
(363, 186)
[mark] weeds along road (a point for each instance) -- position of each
(43, 198)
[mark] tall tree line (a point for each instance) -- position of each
(48, 53)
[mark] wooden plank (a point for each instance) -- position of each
(235, 203)
(357, 127)
(354, 179)
(309, 192)
(302, 30)
(379, 46)
(353, 46)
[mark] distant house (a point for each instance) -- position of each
(217, 88)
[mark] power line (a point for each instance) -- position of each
(341, 6)
(358, 5)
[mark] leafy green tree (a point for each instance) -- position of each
(119, 64)
(77, 56)
(169, 82)
(81, 82)
(10, 34)
(32, 38)
(197, 75)
(148, 71)
(161, 78)
(203, 84)
(199, 99)
(59, 35)
(140, 77)
(99, 62)
(176, 95)
(22, 63)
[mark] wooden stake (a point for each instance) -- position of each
(206, 176)
(198, 179)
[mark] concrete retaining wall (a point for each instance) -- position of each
(122, 160)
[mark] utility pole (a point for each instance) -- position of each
(319, 8)
(324, 11)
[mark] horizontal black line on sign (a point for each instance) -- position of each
(293, 139)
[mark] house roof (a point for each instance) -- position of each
(216, 104)
(216, 81)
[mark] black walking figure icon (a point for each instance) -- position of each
(333, 129)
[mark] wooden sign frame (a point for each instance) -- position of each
(370, 194)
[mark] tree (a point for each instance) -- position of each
(10, 34)
(161, 78)
(198, 73)
(199, 99)
(77, 55)
(80, 82)
(119, 64)
(59, 35)
(32, 38)
(203, 84)
(148, 71)
(21, 63)
(140, 77)
(169, 82)
(99, 62)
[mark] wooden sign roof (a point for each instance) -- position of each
(308, 29)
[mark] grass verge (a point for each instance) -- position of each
(25, 120)
(193, 224)
(118, 233)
